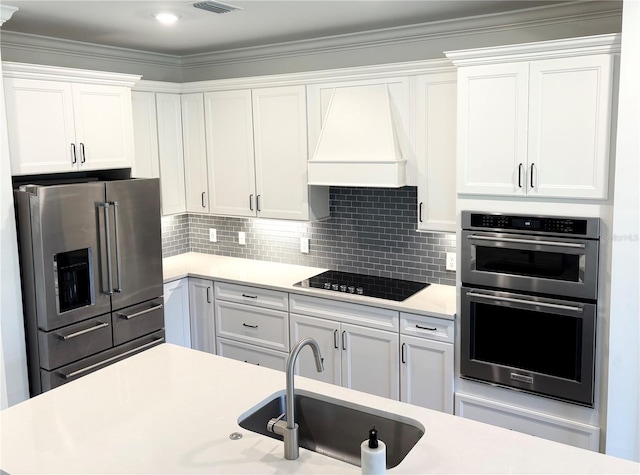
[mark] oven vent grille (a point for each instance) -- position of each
(216, 7)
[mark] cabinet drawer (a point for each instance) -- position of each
(255, 296)
(252, 354)
(258, 326)
(73, 371)
(137, 320)
(427, 327)
(365, 315)
(71, 343)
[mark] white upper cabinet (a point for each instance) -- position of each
(538, 123)
(436, 151)
(195, 153)
(145, 132)
(62, 120)
(256, 144)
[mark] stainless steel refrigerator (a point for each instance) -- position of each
(91, 271)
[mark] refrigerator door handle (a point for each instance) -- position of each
(115, 228)
(106, 206)
(137, 314)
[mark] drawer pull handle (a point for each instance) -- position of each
(426, 328)
(249, 326)
(82, 332)
(142, 312)
(250, 296)
(109, 360)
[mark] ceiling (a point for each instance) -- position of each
(130, 24)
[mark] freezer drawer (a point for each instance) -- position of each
(74, 342)
(53, 379)
(138, 320)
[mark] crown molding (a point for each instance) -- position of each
(6, 11)
(561, 14)
(597, 44)
(158, 86)
(55, 73)
(22, 42)
(382, 71)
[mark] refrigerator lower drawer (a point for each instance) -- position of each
(71, 343)
(132, 322)
(73, 371)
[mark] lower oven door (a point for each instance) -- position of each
(541, 345)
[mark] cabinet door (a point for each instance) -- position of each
(195, 153)
(426, 374)
(145, 135)
(171, 153)
(569, 117)
(327, 334)
(40, 125)
(176, 313)
(201, 315)
(280, 138)
(370, 360)
(104, 126)
(436, 151)
(229, 135)
(492, 129)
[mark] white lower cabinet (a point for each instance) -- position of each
(359, 357)
(252, 324)
(201, 312)
(177, 328)
(426, 356)
(529, 422)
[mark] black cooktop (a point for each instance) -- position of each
(367, 285)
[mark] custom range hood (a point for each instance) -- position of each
(359, 144)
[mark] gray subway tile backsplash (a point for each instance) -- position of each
(370, 231)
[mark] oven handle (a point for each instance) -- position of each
(527, 302)
(527, 241)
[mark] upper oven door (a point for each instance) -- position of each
(530, 263)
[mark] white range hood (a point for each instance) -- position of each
(358, 143)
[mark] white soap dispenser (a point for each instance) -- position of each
(373, 455)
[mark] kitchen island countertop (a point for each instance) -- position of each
(435, 300)
(171, 410)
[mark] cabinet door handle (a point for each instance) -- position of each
(335, 339)
(420, 212)
(404, 359)
(258, 203)
(344, 340)
(208, 294)
(202, 199)
(520, 176)
(74, 158)
(83, 157)
(249, 326)
(251, 202)
(250, 296)
(426, 328)
(531, 175)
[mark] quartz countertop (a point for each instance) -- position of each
(171, 410)
(435, 300)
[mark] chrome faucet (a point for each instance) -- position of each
(289, 429)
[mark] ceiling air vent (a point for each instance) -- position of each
(216, 7)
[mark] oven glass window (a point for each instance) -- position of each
(534, 341)
(73, 280)
(549, 265)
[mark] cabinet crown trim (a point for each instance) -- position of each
(55, 73)
(157, 86)
(588, 45)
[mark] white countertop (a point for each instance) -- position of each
(171, 410)
(436, 300)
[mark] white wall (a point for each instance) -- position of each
(623, 416)
(13, 363)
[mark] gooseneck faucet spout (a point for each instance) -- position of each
(289, 429)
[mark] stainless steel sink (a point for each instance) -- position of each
(337, 428)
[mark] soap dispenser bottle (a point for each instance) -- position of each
(373, 455)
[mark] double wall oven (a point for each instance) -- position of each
(528, 315)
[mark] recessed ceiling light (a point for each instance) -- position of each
(166, 18)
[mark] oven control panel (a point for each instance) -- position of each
(539, 224)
